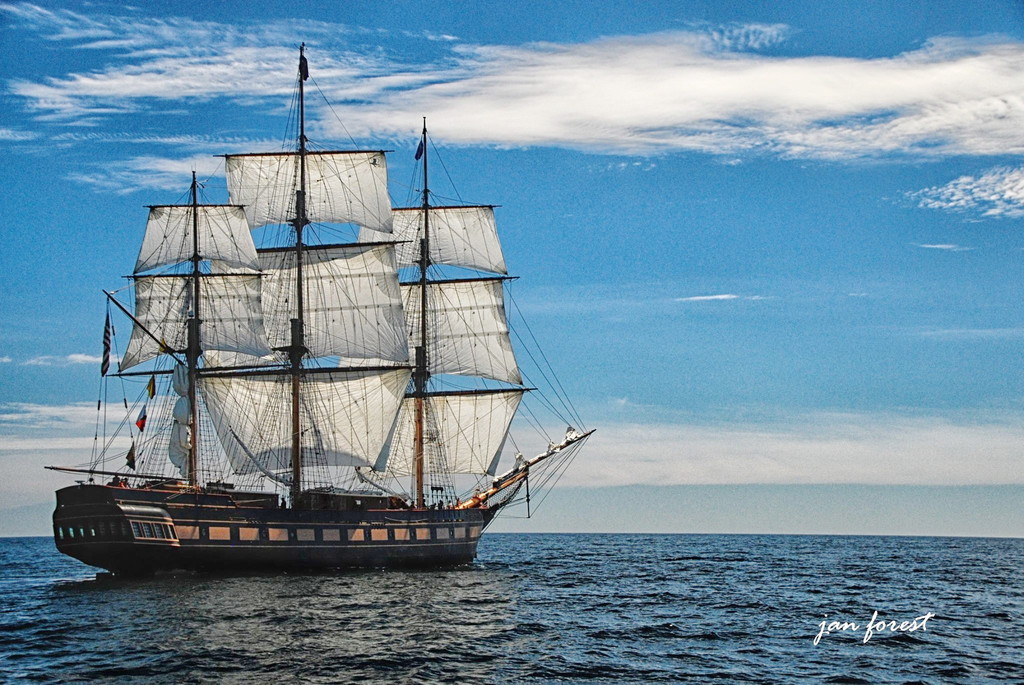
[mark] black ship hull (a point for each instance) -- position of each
(131, 531)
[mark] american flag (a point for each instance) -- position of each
(105, 364)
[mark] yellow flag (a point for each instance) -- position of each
(151, 387)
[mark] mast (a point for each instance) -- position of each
(193, 350)
(297, 348)
(421, 372)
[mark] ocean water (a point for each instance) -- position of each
(537, 608)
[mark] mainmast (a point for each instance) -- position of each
(421, 371)
(193, 349)
(297, 348)
(316, 305)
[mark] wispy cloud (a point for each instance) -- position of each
(721, 297)
(158, 173)
(15, 135)
(631, 166)
(948, 247)
(707, 89)
(150, 84)
(157, 61)
(739, 37)
(821, 448)
(704, 298)
(68, 360)
(998, 192)
(817, 448)
(681, 91)
(432, 36)
(35, 435)
(229, 143)
(21, 415)
(137, 35)
(5, 360)
(974, 333)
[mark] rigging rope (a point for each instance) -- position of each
(331, 107)
(437, 154)
(556, 384)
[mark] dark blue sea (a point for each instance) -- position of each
(537, 608)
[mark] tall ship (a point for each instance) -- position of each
(315, 402)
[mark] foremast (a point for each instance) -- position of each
(189, 311)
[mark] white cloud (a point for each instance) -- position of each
(975, 333)
(723, 296)
(702, 89)
(820, 449)
(19, 415)
(999, 192)
(136, 35)
(77, 358)
(631, 166)
(158, 173)
(704, 298)
(746, 36)
(14, 135)
(814, 448)
(68, 360)
(5, 360)
(948, 247)
(128, 88)
(678, 91)
(167, 59)
(36, 435)
(182, 139)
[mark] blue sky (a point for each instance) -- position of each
(764, 243)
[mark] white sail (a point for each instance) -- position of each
(345, 417)
(468, 430)
(215, 359)
(178, 447)
(341, 187)
(180, 443)
(468, 333)
(182, 412)
(179, 380)
(459, 236)
(229, 309)
(353, 302)
(223, 235)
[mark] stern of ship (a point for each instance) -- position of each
(93, 526)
